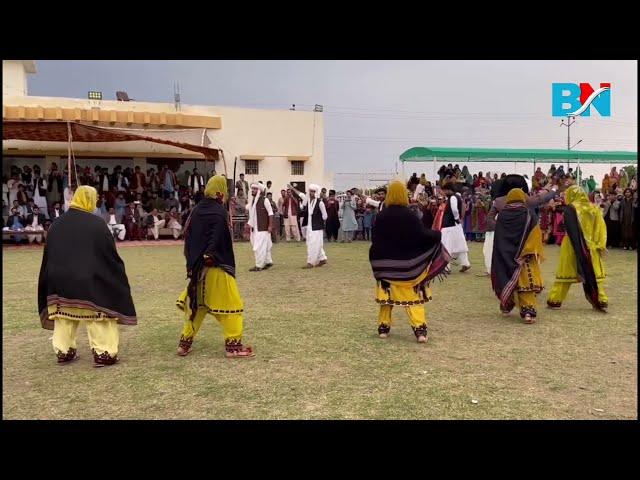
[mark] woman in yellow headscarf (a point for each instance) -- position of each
(404, 257)
(211, 269)
(581, 251)
(83, 279)
(517, 252)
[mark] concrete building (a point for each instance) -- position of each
(278, 145)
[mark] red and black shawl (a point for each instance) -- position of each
(401, 248)
(513, 226)
(586, 273)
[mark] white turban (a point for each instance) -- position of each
(259, 186)
(314, 187)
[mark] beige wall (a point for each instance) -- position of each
(272, 134)
(14, 78)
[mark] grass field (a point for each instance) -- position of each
(318, 354)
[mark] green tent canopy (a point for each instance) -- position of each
(428, 154)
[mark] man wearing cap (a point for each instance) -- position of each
(261, 224)
(314, 210)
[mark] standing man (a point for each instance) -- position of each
(242, 189)
(280, 206)
(195, 181)
(381, 194)
(139, 181)
(169, 182)
(349, 223)
(39, 190)
(314, 210)
(452, 233)
(261, 224)
(333, 218)
(290, 209)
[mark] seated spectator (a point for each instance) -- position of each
(120, 205)
(131, 222)
(154, 222)
(22, 209)
(35, 223)
(172, 221)
(55, 212)
(15, 223)
(172, 203)
(115, 225)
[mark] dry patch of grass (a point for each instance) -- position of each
(318, 355)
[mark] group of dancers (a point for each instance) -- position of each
(83, 279)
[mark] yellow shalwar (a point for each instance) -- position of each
(594, 230)
(405, 294)
(530, 279)
(218, 295)
(102, 330)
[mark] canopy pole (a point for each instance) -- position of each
(403, 175)
(534, 169)
(435, 170)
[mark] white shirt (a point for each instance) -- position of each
(35, 220)
(112, 220)
(105, 184)
(454, 206)
(56, 213)
(312, 206)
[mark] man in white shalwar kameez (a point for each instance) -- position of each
(452, 233)
(261, 223)
(316, 218)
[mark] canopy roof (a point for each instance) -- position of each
(428, 154)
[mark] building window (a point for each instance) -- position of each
(297, 167)
(251, 167)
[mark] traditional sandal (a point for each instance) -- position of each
(183, 351)
(322, 263)
(528, 319)
(422, 339)
(308, 265)
(255, 269)
(67, 362)
(465, 268)
(244, 352)
(268, 265)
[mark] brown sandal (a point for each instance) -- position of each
(528, 319)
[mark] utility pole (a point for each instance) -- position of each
(570, 121)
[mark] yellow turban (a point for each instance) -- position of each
(216, 187)
(397, 194)
(84, 199)
(516, 195)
